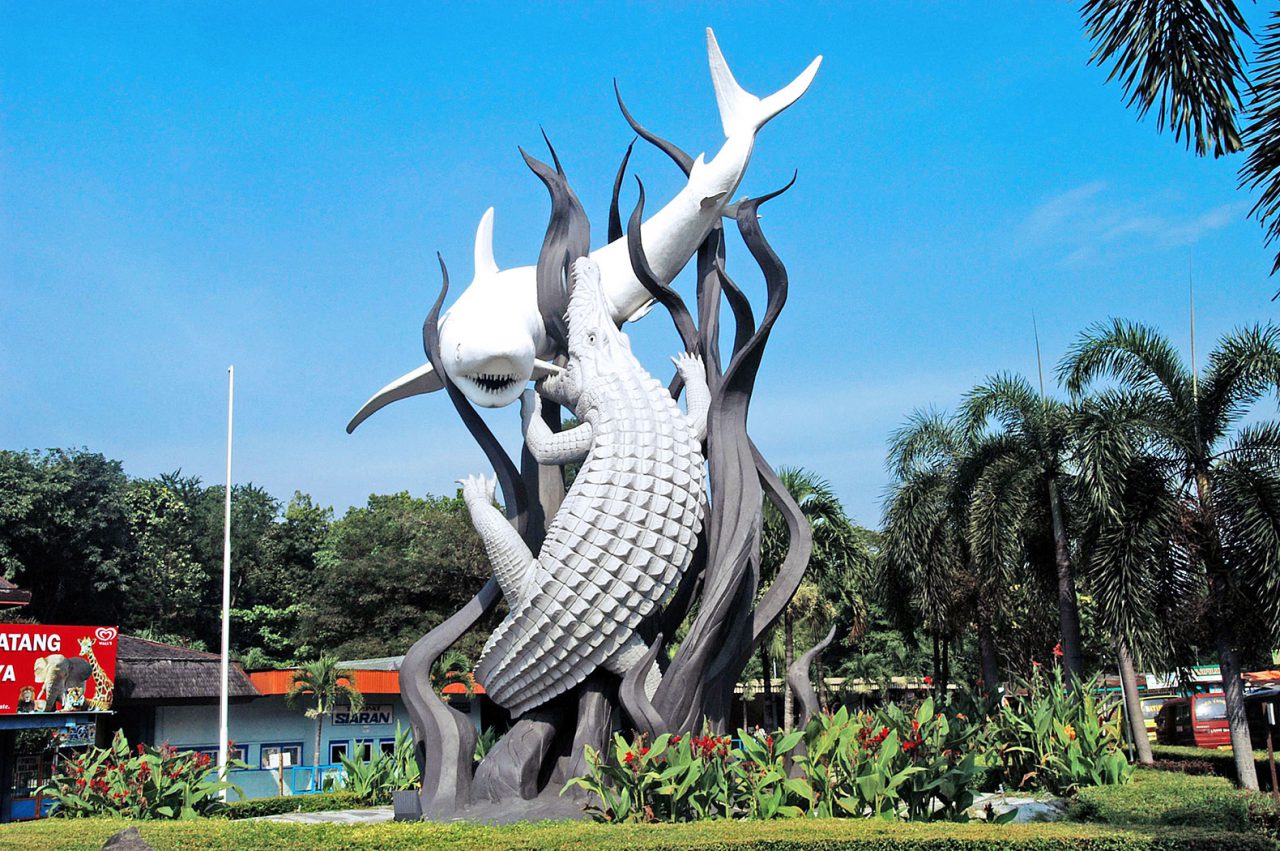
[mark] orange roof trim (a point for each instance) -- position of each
(366, 682)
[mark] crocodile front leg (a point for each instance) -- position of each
(697, 396)
(509, 556)
(545, 445)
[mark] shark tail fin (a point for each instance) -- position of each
(739, 109)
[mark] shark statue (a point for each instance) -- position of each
(492, 339)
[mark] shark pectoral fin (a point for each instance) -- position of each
(711, 200)
(642, 312)
(542, 368)
(731, 210)
(421, 380)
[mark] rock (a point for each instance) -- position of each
(126, 840)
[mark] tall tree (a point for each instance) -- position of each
(1224, 475)
(837, 555)
(1033, 432)
(325, 684)
(927, 558)
(165, 585)
(389, 572)
(64, 533)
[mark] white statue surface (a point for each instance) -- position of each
(626, 530)
(493, 340)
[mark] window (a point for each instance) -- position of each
(338, 750)
(1211, 708)
(1151, 707)
(277, 754)
(387, 746)
(364, 749)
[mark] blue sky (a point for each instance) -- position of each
(184, 186)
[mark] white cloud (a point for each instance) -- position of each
(1088, 223)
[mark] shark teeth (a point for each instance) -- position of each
(493, 383)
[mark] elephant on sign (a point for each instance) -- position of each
(56, 674)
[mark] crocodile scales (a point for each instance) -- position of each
(626, 530)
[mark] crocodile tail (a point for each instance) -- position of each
(741, 111)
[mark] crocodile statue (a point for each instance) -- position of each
(627, 528)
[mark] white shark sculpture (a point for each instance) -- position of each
(492, 339)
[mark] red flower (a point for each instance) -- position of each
(928, 681)
(915, 727)
(1057, 650)
(644, 752)
(675, 740)
(909, 745)
(629, 758)
(768, 740)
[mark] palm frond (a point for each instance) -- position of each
(1261, 170)
(1182, 57)
(1243, 367)
(927, 439)
(1133, 354)
(1247, 502)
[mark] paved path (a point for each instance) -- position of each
(370, 815)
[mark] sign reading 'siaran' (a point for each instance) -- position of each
(56, 668)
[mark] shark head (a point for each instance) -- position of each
(488, 354)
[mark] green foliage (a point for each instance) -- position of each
(1190, 760)
(1167, 798)
(64, 533)
(149, 783)
(487, 739)
(1059, 740)
(317, 803)
(890, 765)
(372, 782)
(793, 835)
(391, 571)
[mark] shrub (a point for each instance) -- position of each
(151, 783)
(1164, 798)
(372, 782)
(789, 835)
(279, 805)
(888, 765)
(1059, 740)
(1192, 760)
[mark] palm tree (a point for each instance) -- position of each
(835, 559)
(927, 559)
(326, 684)
(1186, 58)
(1026, 468)
(1193, 488)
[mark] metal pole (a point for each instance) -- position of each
(1271, 754)
(226, 594)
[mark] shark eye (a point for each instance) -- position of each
(591, 338)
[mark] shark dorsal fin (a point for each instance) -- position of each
(485, 264)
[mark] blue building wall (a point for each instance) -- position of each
(267, 723)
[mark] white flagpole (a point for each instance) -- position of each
(226, 593)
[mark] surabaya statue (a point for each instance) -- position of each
(660, 527)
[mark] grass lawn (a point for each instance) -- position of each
(807, 834)
(1159, 810)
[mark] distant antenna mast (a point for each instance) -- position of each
(1191, 303)
(1039, 363)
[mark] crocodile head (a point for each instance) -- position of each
(597, 346)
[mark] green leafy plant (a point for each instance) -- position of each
(146, 783)
(1048, 737)
(374, 781)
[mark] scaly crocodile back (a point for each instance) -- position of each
(618, 546)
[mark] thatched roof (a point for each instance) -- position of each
(12, 595)
(151, 672)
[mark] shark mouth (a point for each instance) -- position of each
(492, 382)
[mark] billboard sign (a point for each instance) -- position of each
(379, 714)
(56, 668)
